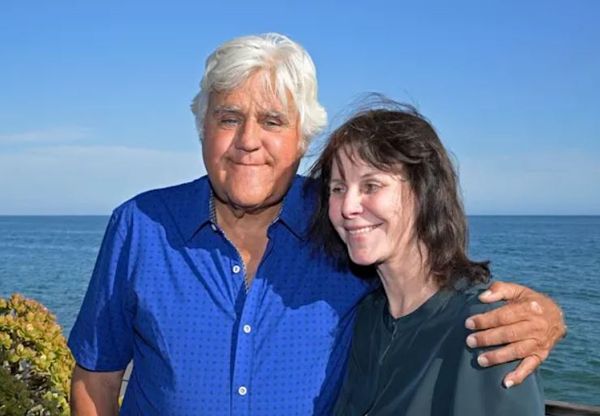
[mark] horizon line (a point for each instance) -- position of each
(468, 215)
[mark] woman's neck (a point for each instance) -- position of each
(407, 281)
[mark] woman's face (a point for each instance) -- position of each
(372, 211)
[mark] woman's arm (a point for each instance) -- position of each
(479, 391)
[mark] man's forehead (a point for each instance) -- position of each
(263, 109)
(252, 94)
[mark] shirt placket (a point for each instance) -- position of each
(245, 352)
(242, 364)
(241, 381)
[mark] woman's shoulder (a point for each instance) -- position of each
(468, 296)
(493, 397)
(372, 300)
(371, 305)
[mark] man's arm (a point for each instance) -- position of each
(95, 393)
(530, 323)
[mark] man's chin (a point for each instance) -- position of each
(252, 203)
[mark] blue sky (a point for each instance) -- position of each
(94, 97)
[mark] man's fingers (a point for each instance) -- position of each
(508, 353)
(528, 326)
(505, 315)
(502, 291)
(521, 331)
(524, 369)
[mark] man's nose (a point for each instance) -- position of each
(248, 136)
(352, 204)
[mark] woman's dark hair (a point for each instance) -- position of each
(397, 139)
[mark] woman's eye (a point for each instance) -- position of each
(370, 188)
(336, 190)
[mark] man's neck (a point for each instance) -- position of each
(247, 231)
(235, 220)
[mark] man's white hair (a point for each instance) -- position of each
(280, 61)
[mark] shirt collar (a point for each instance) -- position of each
(192, 207)
(299, 206)
(188, 205)
(424, 312)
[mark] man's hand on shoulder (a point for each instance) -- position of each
(530, 324)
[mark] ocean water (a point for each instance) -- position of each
(560, 256)
(50, 259)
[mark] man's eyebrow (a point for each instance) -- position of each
(226, 109)
(272, 113)
(283, 117)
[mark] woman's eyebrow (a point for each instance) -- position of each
(369, 175)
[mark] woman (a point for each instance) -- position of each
(390, 192)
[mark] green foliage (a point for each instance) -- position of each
(35, 362)
(17, 400)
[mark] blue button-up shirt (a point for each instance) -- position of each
(168, 291)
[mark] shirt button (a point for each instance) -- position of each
(247, 329)
(236, 269)
(242, 391)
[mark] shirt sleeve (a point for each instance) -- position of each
(102, 337)
(479, 391)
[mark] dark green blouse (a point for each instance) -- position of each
(420, 364)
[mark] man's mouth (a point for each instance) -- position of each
(250, 164)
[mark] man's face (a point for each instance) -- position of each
(251, 146)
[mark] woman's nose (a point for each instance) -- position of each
(352, 204)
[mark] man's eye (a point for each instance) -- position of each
(271, 122)
(229, 121)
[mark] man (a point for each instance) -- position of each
(213, 287)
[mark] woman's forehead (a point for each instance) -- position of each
(349, 168)
(349, 158)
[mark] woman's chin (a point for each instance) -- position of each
(362, 260)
